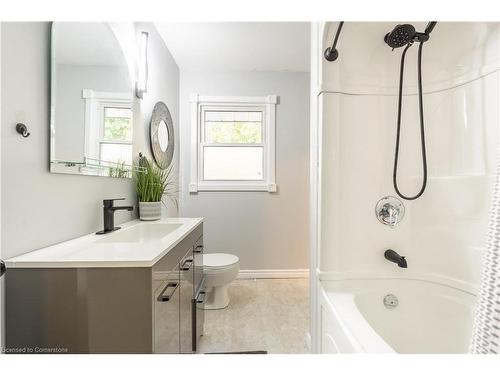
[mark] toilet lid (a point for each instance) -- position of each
(219, 260)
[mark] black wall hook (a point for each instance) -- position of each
(23, 130)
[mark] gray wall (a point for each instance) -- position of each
(70, 106)
(40, 208)
(266, 231)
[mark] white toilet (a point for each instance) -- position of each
(219, 269)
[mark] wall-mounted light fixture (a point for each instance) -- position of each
(141, 86)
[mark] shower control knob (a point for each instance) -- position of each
(390, 211)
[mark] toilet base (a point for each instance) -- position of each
(217, 298)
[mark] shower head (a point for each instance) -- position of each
(405, 34)
(400, 36)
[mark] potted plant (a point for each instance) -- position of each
(152, 183)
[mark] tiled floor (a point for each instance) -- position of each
(264, 314)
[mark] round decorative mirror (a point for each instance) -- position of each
(162, 135)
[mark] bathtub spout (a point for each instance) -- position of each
(394, 257)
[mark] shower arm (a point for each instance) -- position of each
(331, 53)
(430, 27)
(424, 37)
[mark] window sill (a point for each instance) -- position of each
(270, 188)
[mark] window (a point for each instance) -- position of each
(108, 127)
(115, 145)
(233, 143)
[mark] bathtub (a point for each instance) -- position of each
(429, 317)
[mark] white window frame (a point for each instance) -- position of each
(95, 102)
(266, 104)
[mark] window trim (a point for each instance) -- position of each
(268, 106)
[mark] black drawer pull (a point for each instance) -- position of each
(198, 249)
(165, 298)
(201, 297)
(187, 265)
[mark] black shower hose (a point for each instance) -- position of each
(422, 130)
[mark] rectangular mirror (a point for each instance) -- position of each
(91, 101)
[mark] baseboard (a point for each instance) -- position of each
(274, 274)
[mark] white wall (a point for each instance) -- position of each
(266, 231)
(40, 208)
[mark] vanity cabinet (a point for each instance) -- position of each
(106, 309)
(198, 305)
(167, 316)
(185, 303)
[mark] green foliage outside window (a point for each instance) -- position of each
(117, 128)
(233, 132)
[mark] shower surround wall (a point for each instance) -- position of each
(443, 232)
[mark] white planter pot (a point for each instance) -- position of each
(150, 211)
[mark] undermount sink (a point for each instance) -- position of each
(143, 232)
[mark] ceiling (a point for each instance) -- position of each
(238, 46)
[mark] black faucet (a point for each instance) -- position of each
(108, 210)
(394, 257)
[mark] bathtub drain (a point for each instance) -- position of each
(391, 301)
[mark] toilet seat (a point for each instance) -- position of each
(219, 261)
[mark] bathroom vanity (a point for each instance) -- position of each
(136, 290)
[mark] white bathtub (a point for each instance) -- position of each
(430, 318)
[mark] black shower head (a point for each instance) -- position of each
(400, 36)
(404, 34)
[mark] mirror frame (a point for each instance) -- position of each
(161, 113)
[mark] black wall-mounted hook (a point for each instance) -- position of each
(23, 130)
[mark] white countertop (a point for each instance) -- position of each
(93, 250)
